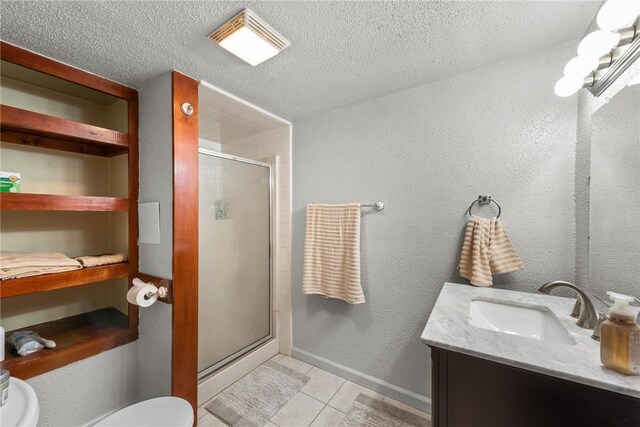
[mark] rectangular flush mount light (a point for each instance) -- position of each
(249, 38)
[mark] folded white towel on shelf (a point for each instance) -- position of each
(486, 251)
(105, 259)
(332, 252)
(15, 265)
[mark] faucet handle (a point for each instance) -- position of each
(576, 308)
(596, 330)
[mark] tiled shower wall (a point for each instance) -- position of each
(263, 147)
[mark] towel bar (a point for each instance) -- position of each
(485, 200)
(379, 205)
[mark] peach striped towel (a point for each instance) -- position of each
(332, 252)
(16, 265)
(486, 251)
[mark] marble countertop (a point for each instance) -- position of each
(448, 328)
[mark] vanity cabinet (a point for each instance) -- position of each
(73, 137)
(474, 392)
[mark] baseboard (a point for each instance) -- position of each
(403, 395)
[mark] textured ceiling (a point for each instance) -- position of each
(341, 53)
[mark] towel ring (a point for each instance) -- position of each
(485, 200)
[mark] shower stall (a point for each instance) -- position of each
(244, 238)
(235, 292)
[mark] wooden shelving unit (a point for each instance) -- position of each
(68, 279)
(76, 337)
(84, 335)
(41, 130)
(53, 202)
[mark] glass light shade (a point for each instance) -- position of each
(581, 66)
(567, 86)
(249, 46)
(616, 14)
(598, 43)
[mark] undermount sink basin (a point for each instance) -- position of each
(526, 320)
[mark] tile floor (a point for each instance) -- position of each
(322, 402)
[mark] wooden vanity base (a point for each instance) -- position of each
(468, 391)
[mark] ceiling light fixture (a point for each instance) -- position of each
(249, 38)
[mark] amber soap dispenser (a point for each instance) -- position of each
(620, 336)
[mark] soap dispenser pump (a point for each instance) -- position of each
(620, 336)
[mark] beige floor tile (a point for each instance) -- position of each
(210, 421)
(295, 364)
(322, 384)
(270, 424)
(277, 357)
(300, 411)
(348, 393)
(328, 417)
(406, 407)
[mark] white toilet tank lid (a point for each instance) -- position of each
(158, 412)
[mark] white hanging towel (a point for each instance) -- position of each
(332, 252)
(486, 251)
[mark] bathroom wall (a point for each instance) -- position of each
(156, 185)
(428, 152)
(86, 390)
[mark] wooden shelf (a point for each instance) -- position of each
(85, 335)
(76, 337)
(41, 130)
(52, 202)
(68, 279)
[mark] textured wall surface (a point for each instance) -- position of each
(614, 255)
(428, 153)
(368, 52)
(83, 391)
(156, 184)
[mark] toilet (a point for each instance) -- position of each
(158, 412)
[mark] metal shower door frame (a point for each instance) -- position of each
(207, 372)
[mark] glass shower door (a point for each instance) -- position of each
(234, 259)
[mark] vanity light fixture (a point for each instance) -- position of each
(249, 38)
(616, 14)
(598, 43)
(581, 66)
(604, 54)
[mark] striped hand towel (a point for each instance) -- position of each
(486, 251)
(332, 252)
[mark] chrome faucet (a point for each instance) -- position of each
(587, 317)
